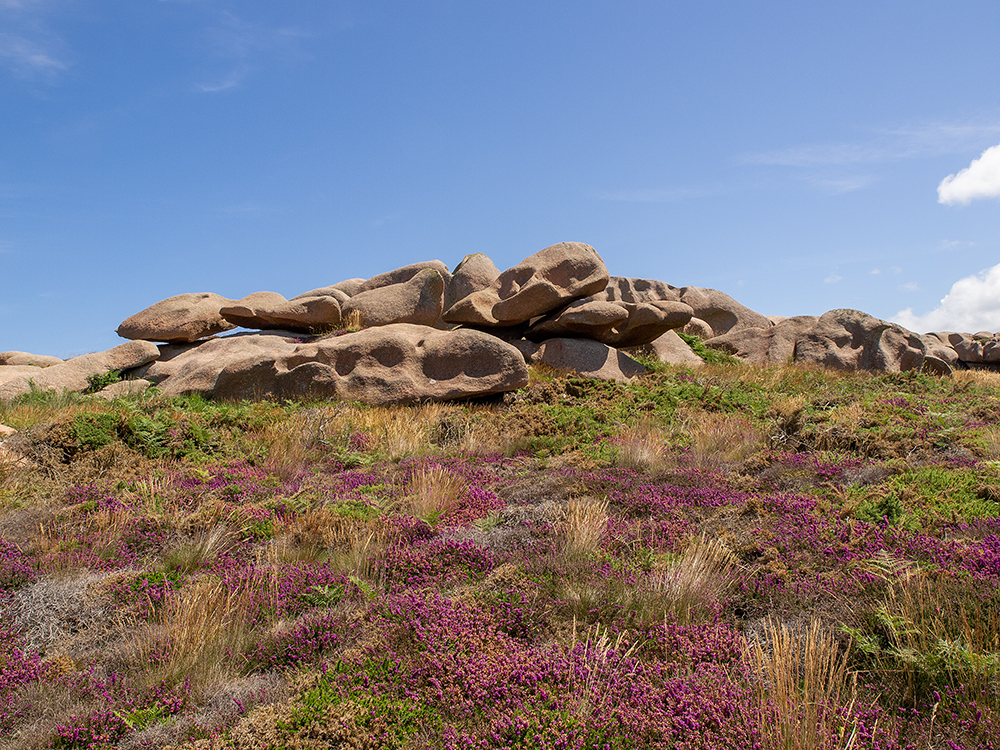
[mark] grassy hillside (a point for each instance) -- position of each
(732, 557)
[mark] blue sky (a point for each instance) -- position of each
(787, 153)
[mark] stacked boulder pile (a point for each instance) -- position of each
(422, 332)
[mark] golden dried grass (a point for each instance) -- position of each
(721, 438)
(198, 636)
(802, 680)
(434, 492)
(692, 584)
(643, 447)
(584, 527)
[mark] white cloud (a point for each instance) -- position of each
(833, 279)
(973, 304)
(981, 179)
(910, 286)
(875, 272)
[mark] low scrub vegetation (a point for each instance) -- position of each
(729, 557)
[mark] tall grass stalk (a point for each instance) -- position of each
(802, 682)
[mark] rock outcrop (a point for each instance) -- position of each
(839, 339)
(430, 334)
(186, 317)
(73, 374)
(24, 359)
(537, 285)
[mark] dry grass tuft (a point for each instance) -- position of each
(434, 492)
(644, 448)
(987, 378)
(722, 438)
(199, 636)
(694, 584)
(203, 548)
(802, 679)
(585, 526)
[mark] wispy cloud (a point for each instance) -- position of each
(981, 179)
(833, 279)
(972, 304)
(245, 48)
(880, 145)
(29, 49)
(910, 286)
(6, 247)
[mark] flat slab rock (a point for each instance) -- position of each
(391, 364)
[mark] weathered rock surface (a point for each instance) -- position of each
(591, 359)
(73, 373)
(938, 345)
(537, 285)
(326, 291)
(402, 275)
(698, 327)
(271, 311)
(670, 349)
(186, 317)
(418, 300)
(646, 322)
(6, 431)
(585, 317)
(240, 366)
(759, 346)
(839, 339)
(9, 359)
(403, 363)
(475, 273)
(720, 311)
(853, 340)
(626, 289)
(395, 363)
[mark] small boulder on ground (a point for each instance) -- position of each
(418, 300)
(591, 359)
(271, 311)
(123, 388)
(670, 349)
(185, 317)
(8, 359)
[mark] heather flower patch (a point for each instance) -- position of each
(588, 565)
